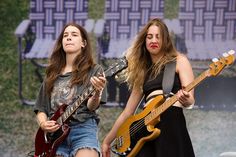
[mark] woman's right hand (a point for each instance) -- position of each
(49, 126)
(106, 150)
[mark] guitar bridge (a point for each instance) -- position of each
(118, 142)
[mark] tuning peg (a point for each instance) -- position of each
(215, 60)
(231, 52)
(225, 54)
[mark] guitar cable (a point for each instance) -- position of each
(30, 154)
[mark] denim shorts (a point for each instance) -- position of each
(82, 135)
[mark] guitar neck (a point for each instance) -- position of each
(150, 118)
(70, 110)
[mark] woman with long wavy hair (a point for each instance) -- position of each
(70, 72)
(147, 57)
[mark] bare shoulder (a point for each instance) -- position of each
(182, 62)
(182, 58)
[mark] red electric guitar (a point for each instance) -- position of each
(47, 143)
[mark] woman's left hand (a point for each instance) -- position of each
(98, 82)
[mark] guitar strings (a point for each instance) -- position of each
(136, 128)
(139, 125)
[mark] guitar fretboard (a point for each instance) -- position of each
(72, 108)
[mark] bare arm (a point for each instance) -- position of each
(186, 75)
(99, 84)
(130, 108)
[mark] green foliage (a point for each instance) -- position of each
(16, 121)
(96, 8)
(171, 9)
(11, 13)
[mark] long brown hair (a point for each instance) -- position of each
(81, 66)
(139, 59)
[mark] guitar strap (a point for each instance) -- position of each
(167, 82)
(168, 78)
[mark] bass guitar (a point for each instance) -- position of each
(47, 143)
(139, 128)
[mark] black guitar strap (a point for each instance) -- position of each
(167, 82)
(168, 78)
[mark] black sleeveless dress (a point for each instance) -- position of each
(174, 140)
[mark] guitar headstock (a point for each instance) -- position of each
(218, 64)
(118, 66)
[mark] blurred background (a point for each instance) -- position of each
(201, 29)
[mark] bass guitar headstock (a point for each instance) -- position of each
(218, 64)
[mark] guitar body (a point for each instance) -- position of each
(46, 143)
(134, 132)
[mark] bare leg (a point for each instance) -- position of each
(87, 152)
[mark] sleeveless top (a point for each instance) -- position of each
(174, 139)
(155, 86)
